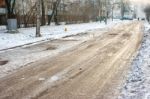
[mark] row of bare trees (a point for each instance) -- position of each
(147, 12)
(85, 8)
(73, 12)
(44, 12)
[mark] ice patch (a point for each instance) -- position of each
(54, 78)
(41, 79)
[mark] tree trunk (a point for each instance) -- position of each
(38, 21)
(122, 9)
(106, 11)
(43, 21)
(113, 11)
(55, 6)
(56, 17)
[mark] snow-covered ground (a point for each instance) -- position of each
(27, 35)
(31, 53)
(137, 85)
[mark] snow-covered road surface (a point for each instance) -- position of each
(21, 56)
(89, 70)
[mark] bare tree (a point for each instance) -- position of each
(26, 13)
(112, 10)
(147, 12)
(122, 9)
(43, 21)
(99, 2)
(10, 8)
(54, 12)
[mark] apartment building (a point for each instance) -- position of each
(123, 8)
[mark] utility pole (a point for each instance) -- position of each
(38, 20)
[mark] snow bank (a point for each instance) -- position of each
(27, 35)
(137, 85)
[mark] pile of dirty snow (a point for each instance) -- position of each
(137, 85)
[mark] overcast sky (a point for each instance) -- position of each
(141, 1)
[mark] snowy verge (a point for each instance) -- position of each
(137, 85)
(36, 51)
(27, 35)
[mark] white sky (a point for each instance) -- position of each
(141, 1)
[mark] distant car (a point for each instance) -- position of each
(126, 18)
(143, 19)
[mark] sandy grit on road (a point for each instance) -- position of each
(89, 71)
